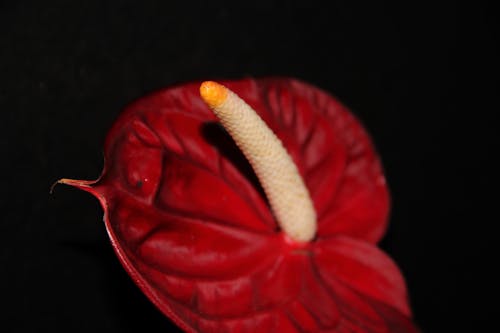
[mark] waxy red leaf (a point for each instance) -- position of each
(191, 225)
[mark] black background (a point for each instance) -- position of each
(422, 78)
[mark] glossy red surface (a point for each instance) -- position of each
(190, 223)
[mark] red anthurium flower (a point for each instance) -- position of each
(192, 225)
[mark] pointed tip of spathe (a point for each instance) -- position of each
(81, 184)
(213, 93)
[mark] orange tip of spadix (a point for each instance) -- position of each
(213, 94)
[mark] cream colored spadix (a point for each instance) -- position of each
(289, 198)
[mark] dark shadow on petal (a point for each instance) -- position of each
(218, 137)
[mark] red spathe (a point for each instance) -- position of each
(191, 225)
